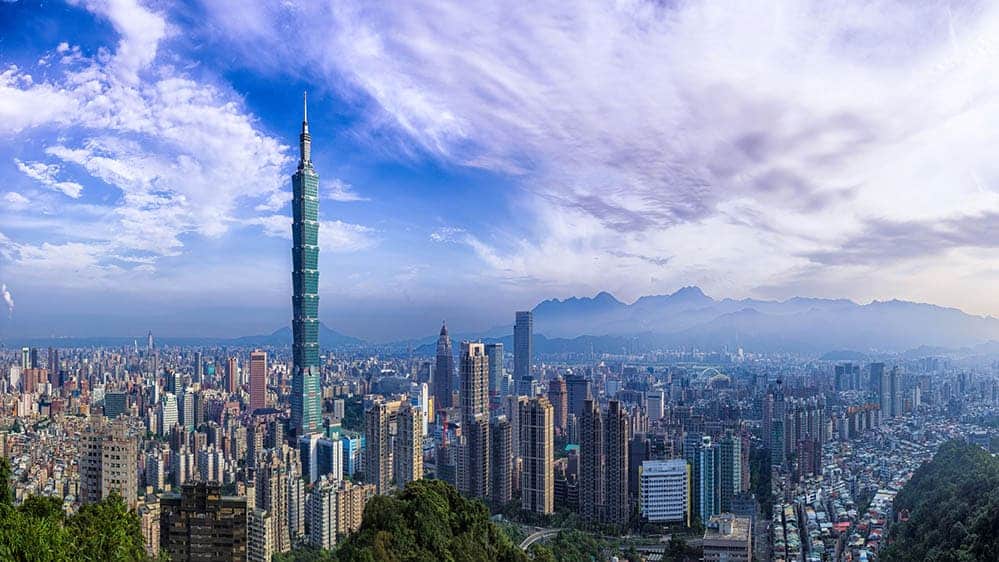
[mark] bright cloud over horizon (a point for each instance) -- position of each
(476, 158)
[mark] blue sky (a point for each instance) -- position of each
(476, 158)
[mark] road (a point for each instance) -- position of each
(537, 536)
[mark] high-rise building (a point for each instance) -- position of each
(259, 535)
(377, 451)
(271, 489)
(664, 495)
(258, 380)
(232, 375)
(730, 470)
(523, 352)
(408, 449)
(579, 392)
(108, 462)
(322, 514)
(616, 511)
(305, 393)
(444, 371)
(497, 373)
(708, 468)
(330, 458)
(654, 402)
(308, 450)
(202, 524)
(473, 465)
(558, 395)
(186, 409)
(592, 465)
(537, 436)
(895, 392)
(393, 457)
(199, 367)
(115, 404)
(501, 463)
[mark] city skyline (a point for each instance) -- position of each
(115, 197)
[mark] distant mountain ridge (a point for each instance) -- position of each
(688, 317)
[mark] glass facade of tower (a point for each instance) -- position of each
(306, 410)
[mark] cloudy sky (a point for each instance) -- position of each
(478, 157)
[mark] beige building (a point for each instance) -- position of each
(728, 538)
(393, 450)
(108, 462)
(259, 535)
(537, 436)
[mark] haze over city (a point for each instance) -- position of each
(520, 151)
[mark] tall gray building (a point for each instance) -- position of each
(523, 352)
(497, 374)
(444, 371)
(474, 471)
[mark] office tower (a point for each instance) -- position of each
(511, 406)
(330, 458)
(728, 538)
(497, 373)
(232, 376)
(730, 470)
(408, 450)
(616, 511)
(202, 524)
(186, 410)
(592, 465)
(353, 455)
(895, 391)
(308, 450)
(149, 342)
(473, 466)
(272, 495)
(523, 352)
(53, 361)
(874, 382)
(664, 491)
(108, 462)
(579, 392)
(708, 468)
(537, 435)
(444, 371)
(211, 464)
(885, 396)
(474, 392)
(259, 535)
(258, 380)
(305, 395)
(692, 454)
(558, 395)
(423, 402)
(654, 402)
(777, 430)
(501, 462)
(199, 367)
(115, 404)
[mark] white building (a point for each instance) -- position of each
(664, 491)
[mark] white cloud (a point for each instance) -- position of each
(183, 153)
(731, 140)
(15, 201)
(339, 190)
(45, 174)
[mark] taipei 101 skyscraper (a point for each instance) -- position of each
(306, 411)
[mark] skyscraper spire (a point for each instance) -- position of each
(305, 139)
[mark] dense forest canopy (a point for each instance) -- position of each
(953, 504)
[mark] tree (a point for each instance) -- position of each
(428, 520)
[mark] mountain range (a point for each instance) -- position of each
(688, 317)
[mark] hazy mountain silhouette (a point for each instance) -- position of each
(688, 317)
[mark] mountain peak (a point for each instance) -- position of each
(691, 292)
